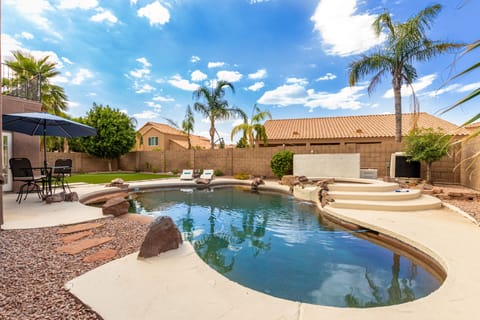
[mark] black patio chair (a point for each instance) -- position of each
(22, 171)
(62, 169)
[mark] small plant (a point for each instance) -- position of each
(154, 169)
(241, 176)
(218, 173)
(282, 163)
(176, 171)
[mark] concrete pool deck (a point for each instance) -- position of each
(179, 285)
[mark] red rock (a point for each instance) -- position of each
(103, 254)
(79, 227)
(163, 235)
(77, 236)
(79, 246)
(116, 207)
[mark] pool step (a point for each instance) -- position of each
(420, 203)
(364, 187)
(396, 195)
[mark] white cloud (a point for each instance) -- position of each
(66, 60)
(296, 94)
(144, 61)
(143, 88)
(469, 87)
(27, 35)
(81, 76)
(260, 74)
(153, 105)
(162, 99)
(327, 76)
(418, 86)
(300, 81)
(215, 64)
(258, 1)
(346, 98)
(183, 84)
(146, 114)
(104, 15)
(78, 4)
(35, 10)
(230, 76)
(194, 59)
(256, 86)
(155, 13)
(72, 104)
(139, 73)
(344, 31)
(198, 75)
(285, 95)
(9, 44)
(133, 2)
(436, 93)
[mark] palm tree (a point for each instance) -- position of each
(216, 107)
(187, 124)
(406, 43)
(253, 131)
(53, 97)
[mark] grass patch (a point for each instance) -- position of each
(96, 178)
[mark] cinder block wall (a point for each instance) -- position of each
(470, 168)
(257, 161)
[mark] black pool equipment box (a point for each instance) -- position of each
(402, 167)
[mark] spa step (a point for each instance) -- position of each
(363, 187)
(421, 203)
(398, 194)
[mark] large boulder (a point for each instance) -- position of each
(116, 207)
(163, 235)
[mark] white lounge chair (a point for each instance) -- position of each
(187, 174)
(207, 174)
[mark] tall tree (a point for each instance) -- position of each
(215, 106)
(115, 133)
(253, 130)
(187, 124)
(406, 43)
(427, 145)
(53, 97)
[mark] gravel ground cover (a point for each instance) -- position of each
(32, 273)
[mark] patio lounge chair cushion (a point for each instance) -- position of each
(187, 174)
(207, 174)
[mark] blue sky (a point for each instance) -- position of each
(146, 57)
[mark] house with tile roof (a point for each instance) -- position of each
(350, 129)
(155, 136)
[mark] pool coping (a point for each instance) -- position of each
(187, 284)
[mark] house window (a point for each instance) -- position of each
(153, 141)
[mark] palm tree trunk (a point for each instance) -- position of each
(397, 92)
(212, 135)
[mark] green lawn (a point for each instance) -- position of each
(108, 177)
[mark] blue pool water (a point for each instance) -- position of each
(277, 245)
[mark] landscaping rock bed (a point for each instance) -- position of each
(33, 273)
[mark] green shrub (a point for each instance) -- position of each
(241, 176)
(282, 163)
(218, 173)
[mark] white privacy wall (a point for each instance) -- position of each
(338, 165)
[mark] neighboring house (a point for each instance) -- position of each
(161, 137)
(367, 129)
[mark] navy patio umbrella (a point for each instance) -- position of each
(45, 124)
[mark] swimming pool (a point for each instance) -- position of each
(277, 245)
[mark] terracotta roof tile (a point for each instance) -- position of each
(368, 126)
(197, 141)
